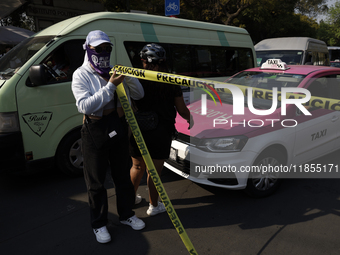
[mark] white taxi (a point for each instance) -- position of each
(252, 151)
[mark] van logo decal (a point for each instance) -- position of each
(38, 122)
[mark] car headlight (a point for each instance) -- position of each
(223, 144)
(9, 122)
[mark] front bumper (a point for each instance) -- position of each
(11, 151)
(189, 160)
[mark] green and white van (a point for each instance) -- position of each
(39, 122)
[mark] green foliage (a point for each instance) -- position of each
(330, 29)
(312, 8)
(270, 19)
(325, 33)
(216, 11)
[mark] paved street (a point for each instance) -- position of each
(48, 214)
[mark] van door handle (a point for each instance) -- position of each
(335, 118)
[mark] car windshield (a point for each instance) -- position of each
(291, 57)
(261, 80)
(19, 55)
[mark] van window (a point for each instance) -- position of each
(64, 60)
(319, 58)
(334, 53)
(290, 57)
(12, 61)
(198, 61)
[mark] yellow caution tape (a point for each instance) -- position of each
(151, 168)
(319, 102)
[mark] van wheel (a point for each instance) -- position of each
(262, 184)
(69, 157)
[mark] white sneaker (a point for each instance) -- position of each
(102, 235)
(156, 210)
(134, 222)
(138, 199)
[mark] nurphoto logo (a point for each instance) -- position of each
(274, 95)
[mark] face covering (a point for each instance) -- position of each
(99, 61)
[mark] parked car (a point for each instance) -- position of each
(253, 142)
(335, 63)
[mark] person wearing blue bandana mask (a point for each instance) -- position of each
(94, 89)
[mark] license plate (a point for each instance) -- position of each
(173, 154)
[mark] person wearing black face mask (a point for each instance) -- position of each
(94, 89)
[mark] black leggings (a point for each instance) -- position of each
(96, 163)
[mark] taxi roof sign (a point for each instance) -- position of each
(275, 64)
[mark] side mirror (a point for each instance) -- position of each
(37, 75)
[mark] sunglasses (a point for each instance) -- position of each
(99, 49)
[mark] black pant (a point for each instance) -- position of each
(96, 163)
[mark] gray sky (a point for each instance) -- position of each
(329, 3)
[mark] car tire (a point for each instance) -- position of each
(69, 158)
(264, 184)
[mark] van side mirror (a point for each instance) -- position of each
(37, 75)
